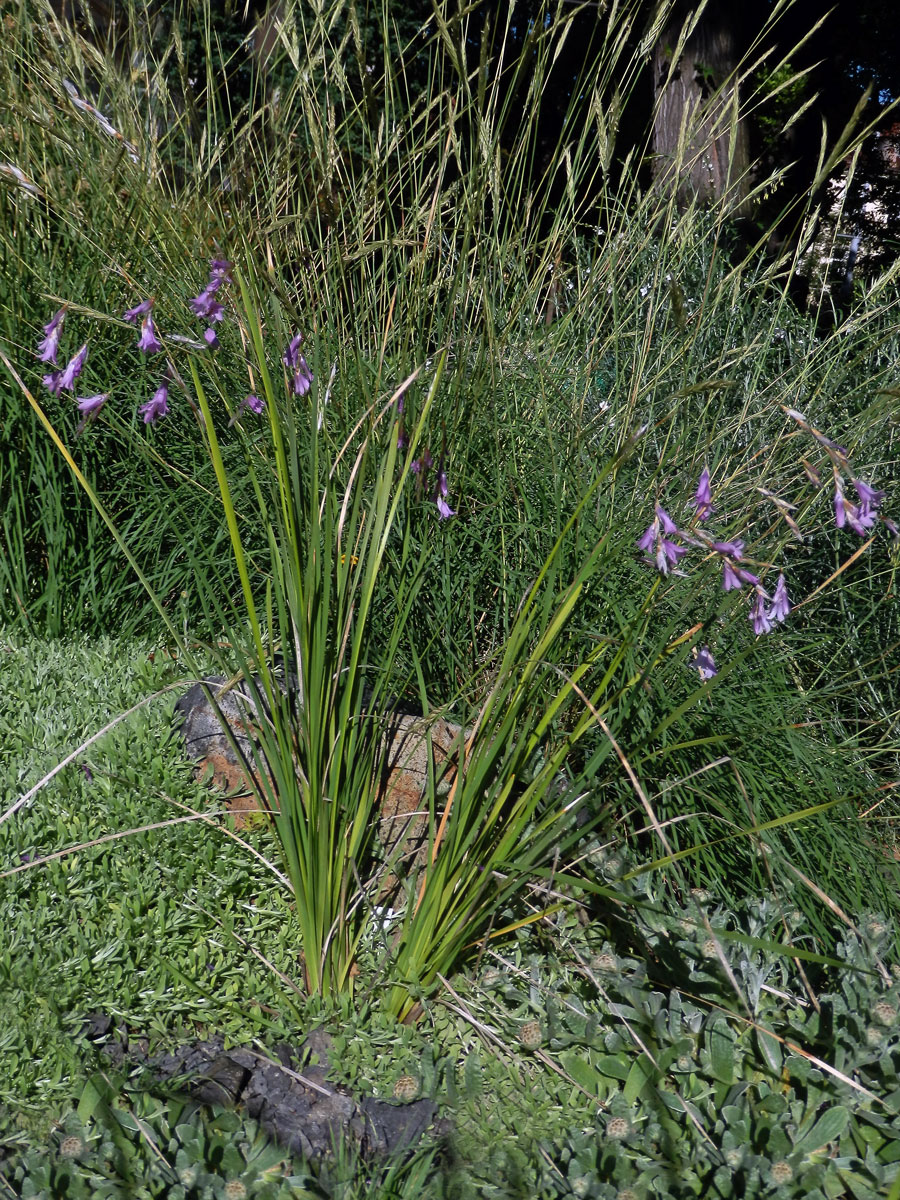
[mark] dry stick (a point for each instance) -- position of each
(792, 1046)
(648, 807)
(142, 1127)
(230, 833)
(109, 837)
(658, 830)
(831, 578)
(316, 1087)
(486, 1031)
(838, 912)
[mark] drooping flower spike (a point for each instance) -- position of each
(157, 406)
(702, 498)
(760, 617)
(656, 541)
(252, 404)
(138, 312)
(48, 347)
(781, 605)
(859, 517)
(91, 405)
(422, 465)
(834, 448)
(703, 661)
(297, 364)
(440, 496)
(733, 549)
(206, 305)
(869, 498)
(148, 342)
(72, 369)
(733, 576)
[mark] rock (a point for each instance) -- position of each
(292, 1102)
(412, 746)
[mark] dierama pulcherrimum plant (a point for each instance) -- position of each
(665, 544)
(319, 761)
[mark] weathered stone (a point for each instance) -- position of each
(290, 1098)
(412, 746)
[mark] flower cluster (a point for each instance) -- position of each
(207, 305)
(301, 375)
(439, 493)
(664, 544)
(860, 516)
(148, 342)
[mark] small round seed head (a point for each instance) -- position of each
(406, 1088)
(530, 1035)
(781, 1172)
(71, 1147)
(687, 926)
(895, 970)
(627, 1194)
(885, 1012)
(875, 927)
(612, 868)
(874, 1035)
(733, 1157)
(710, 948)
(491, 977)
(684, 1062)
(234, 1190)
(604, 962)
(701, 895)
(187, 1176)
(618, 1128)
(581, 1186)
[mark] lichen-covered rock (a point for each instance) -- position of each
(412, 746)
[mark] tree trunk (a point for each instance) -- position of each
(697, 136)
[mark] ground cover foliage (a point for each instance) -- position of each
(553, 963)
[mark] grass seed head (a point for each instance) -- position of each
(406, 1088)
(782, 1172)
(618, 1129)
(530, 1035)
(884, 1012)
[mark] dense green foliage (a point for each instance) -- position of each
(559, 377)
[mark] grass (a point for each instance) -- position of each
(311, 531)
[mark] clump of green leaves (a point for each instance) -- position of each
(725, 1055)
(123, 1143)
